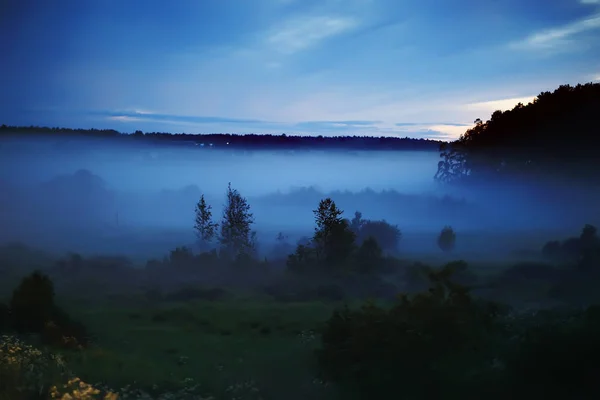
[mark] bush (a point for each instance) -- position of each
(5, 321)
(558, 356)
(386, 234)
(26, 372)
(32, 310)
(552, 250)
(369, 256)
(447, 239)
(32, 303)
(181, 257)
(422, 346)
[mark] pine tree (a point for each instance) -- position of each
(205, 228)
(236, 236)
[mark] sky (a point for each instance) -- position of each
(416, 68)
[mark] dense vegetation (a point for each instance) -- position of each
(424, 332)
(253, 141)
(553, 136)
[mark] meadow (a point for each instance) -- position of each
(153, 339)
(318, 305)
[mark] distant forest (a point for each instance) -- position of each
(251, 141)
(556, 136)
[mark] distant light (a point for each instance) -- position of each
(202, 144)
(210, 144)
(227, 142)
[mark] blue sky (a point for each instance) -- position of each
(417, 68)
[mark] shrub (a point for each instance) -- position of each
(386, 234)
(552, 250)
(32, 303)
(369, 256)
(447, 239)
(557, 356)
(64, 332)
(5, 322)
(33, 310)
(181, 257)
(26, 372)
(421, 346)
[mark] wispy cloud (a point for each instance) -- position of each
(559, 38)
(441, 130)
(429, 123)
(148, 116)
(301, 33)
(337, 123)
(503, 104)
(590, 2)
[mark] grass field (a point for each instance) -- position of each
(246, 347)
(239, 349)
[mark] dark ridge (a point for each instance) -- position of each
(251, 141)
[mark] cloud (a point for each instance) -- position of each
(589, 1)
(125, 118)
(148, 116)
(440, 131)
(559, 38)
(429, 123)
(302, 33)
(503, 105)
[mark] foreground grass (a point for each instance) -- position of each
(236, 349)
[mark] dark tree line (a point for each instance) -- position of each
(251, 141)
(555, 135)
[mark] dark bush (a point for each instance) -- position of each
(33, 310)
(552, 250)
(558, 356)
(369, 256)
(181, 257)
(423, 346)
(32, 303)
(584, 250)
(447, 239)
(5, 321)
(386, 234)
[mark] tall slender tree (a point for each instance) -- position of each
(237, 237)
(205, 228)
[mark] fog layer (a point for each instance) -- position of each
(90, 196)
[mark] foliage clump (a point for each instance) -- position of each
(385, 234)
(417, 346)
(447, 239)
(33, 310)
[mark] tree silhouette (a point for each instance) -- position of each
(447, 239)
(386, 234)
(236, 237)
(205, 228)
(333, 239)
(553, 136)
(210, 141)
